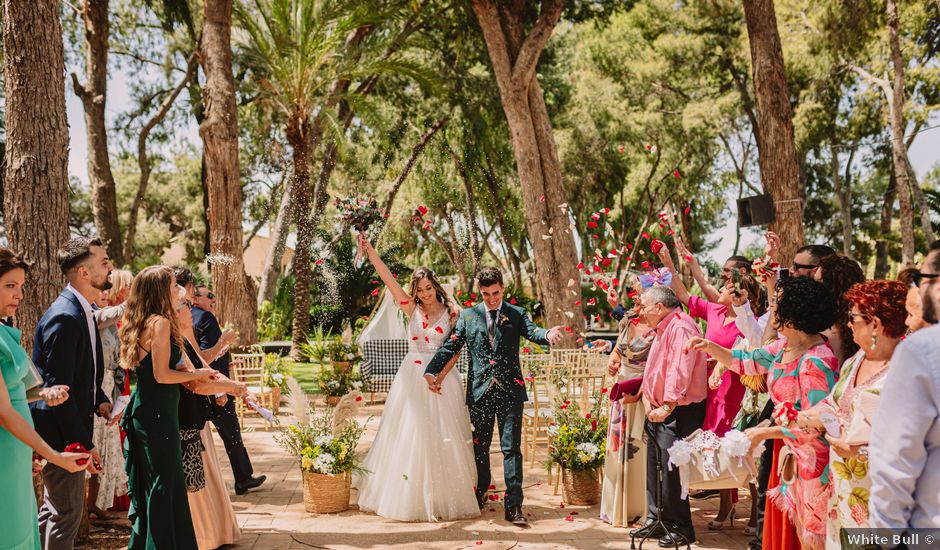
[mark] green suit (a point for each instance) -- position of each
(495, 387)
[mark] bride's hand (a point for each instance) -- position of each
(432, 383)
(364, 242)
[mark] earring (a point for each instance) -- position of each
(874, 341)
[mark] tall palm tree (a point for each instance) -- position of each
(302, 55)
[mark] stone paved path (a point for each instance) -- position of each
(273, 516)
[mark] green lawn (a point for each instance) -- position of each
(306, 373)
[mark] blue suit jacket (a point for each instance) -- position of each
(63, 354)
(499, 360)
(208, 332)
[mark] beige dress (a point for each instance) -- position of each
(213, 516)
(623, 495)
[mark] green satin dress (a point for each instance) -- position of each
(159, 512)
(19, 529)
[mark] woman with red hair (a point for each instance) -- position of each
(877, 318)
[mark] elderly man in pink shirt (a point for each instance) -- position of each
(675, 385)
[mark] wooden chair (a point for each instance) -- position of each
(537, 413)
(249, 369)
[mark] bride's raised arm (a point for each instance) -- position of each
(401, 297)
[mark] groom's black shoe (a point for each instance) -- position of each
(515, 516)
(648, 531)
(242, 487)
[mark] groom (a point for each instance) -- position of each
(495, 383)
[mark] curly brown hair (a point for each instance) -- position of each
(839, 274)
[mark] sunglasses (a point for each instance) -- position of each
(796, 266)
(208, 295)
(919, 277)
(854, 316)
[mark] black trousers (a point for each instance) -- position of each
(226, 422)
(675, 510)
(499, 406)
(763, 477)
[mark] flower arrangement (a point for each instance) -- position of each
(764, 268)
(343, 353)
(335, 380)
(324, 440)
(276, 371)
(578, 439)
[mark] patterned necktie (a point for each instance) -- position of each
(492, 328)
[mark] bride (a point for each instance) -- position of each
(420, 466)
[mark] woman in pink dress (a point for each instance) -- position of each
(801, 371)
(723, 402)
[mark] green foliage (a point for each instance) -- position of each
(578, 439)
(339, 351)
(273, 323)
(316, 346)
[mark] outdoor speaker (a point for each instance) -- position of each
(757, 210)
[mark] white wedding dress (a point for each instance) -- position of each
(421, 465)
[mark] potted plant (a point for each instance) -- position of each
(577, 445)
(343, 355)
(324, 442)
(335, 381)
(276, 371)
(315, 348)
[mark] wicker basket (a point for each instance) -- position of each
(580, 487)
(326, 494)
(333, 400)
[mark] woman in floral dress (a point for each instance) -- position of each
(801, 371)
(877, 321)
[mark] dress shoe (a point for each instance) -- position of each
(647, 530)
(674, 540)
(515, 516)
(242, 487)
(707, 493)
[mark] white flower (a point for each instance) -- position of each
(333, 384)
(324, 463)
(553, 430)
(350, 356)
(323, 440)
(589, 449)
(278, 377)
(357, 385)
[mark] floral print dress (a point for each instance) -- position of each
(848, 504)
(794, 386)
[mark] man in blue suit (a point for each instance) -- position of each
(67, 351)
(208, 333)
(495, 383)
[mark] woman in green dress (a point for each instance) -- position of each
(19, 529)
(151, 344)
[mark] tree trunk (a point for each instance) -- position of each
(777, 158)
(920, 201)
(35, 198)
(843, 192)
(272, 261)
(297, 130)
(898, 149)
(219, 131)
(887, 215)
(514, 56)
(93, 95)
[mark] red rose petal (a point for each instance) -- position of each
(569, 518)
(526, 350)
(358, 398)
(375, 292)
(591, 225)
(645, 265)
(319, 262)
(492, 488)
(676, 173)
(422, 209)
(439, 330)
(512, 301)
(417, 361)
(562, 505)
(542, 198)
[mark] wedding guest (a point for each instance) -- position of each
(734, 264)
(904, 457)
(18, 439)
(723, 402)
(912, 302)
(840, 273)
(112, 481)
(151, 343)
(801, 370)
(204, 299)
(209, 335)
(622, 498)
(807, 259)
(877, 316)
(213, 516)
(674, 392)
(67, 351)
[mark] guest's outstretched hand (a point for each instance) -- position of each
(696, 343)
(54, 395)
(555, 335)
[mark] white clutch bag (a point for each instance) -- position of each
(32, 378)
(859, 431)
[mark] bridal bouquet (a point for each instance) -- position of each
(360, 213)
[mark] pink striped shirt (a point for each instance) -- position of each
(672, 376)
